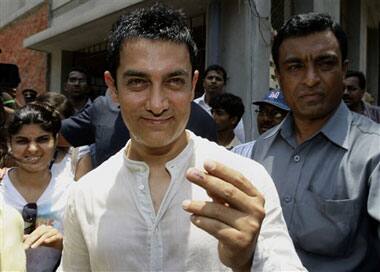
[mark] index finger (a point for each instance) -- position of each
(231, 176)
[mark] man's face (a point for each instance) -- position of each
(76, 85)
(269, 116)
(352, 92)
(311, 75)
(223, 120)
(213, 83)
(154, 88)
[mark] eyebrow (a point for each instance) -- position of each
(292, 59)
(180, 72)
(134, 73)
(327, 57)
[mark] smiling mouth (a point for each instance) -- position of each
(31, 159)
(157, 121)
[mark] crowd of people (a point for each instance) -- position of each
(147, 178)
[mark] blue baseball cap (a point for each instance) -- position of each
(274, 97)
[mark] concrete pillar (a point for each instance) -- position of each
(363, 37)
(373, 62)
(331, 7)
(55, 71)
(245, 41)
(213, 47)
(353, 28)
(302, 6)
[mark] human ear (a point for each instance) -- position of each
(194, 83)
(111, 84)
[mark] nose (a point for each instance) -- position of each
(311, 78)
(33, 147)
(158, 100)
(345, 90)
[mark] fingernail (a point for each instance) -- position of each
(196, 172)
(186, 204)
(209, 165)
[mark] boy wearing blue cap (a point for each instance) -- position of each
(272, 110)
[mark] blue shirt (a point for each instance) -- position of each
(329, 187)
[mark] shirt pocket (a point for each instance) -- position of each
(326, 227)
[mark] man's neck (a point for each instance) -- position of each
(79, 103)
(306, 128)
(359, 107)
(156, 156)
(225, 137)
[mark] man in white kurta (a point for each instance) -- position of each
(111, 223)
(148, 208)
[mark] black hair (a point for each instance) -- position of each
(81, 70)
(359, 75)
(217, 68)
(232, 104)
(157, 22)
(59, 102)
(305, 24)
(35, 113)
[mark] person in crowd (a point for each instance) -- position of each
(12, 253)
(272, 110)
(227, 110)
(5, 116)
(9, 80)
(102, 124)
(77, 88)
(30, 187)
(3, 141)
(354, 89)
(324, 159)
(214, 84)
(73, 162)
(29, 95)
(145, 192)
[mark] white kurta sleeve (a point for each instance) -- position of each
(75, 256)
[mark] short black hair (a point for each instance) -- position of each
(81, 70)
(35, 113)
(359, 75)
(218, 68)
(158, 22)
(59, 102)
(232, 104)
(305, 24)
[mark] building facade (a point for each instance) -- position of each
(234, 33)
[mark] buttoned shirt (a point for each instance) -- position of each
(239, 129)
(329, 190)
(111, 224)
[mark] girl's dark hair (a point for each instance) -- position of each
(35, 113)
(59, 102)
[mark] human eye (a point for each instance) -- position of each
(21, 141)
(43, 139)
(294, 66)
(175, 82)
(136, 83)
(327, 64)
